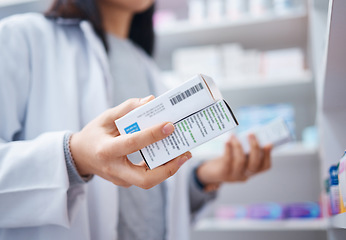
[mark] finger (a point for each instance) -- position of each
(255, 156)
(228, 148)
(228, 159)
(145, 178)
(239, 158)
(126, 107)
(130, 143)
(267, 158)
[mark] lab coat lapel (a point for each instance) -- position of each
(98, 49)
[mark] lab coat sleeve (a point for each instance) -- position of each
(199, 199)
(33, 176)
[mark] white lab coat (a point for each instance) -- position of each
(54, 77)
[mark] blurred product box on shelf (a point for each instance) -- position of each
(283, 62)
(236, 9)
(200, 11)
(163, 19)
(231, 212)
(282, 7)
(188, 61)
(232, 65)
(215, 10)
(325, 198)
(259, 8)
(197, 110)
(257, 115)
(334, 193)
(240, 65)
(275, 132)
(270, 211)
(271, 124)
(196, 11)
(303, 210)
(342, 183)
(310, 136)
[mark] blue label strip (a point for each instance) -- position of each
(132, 128)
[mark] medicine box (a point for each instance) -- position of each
(275, 132)
(197, 110)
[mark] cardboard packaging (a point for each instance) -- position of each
(197, 110)
(342, 183)
(275, 132)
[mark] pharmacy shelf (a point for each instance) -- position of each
(299, 92)
(4, 3)
(186, 27)
(270, 82)
(338, 221)
(11, 7)
(334, 72)
(294, 150)
(269, 32)
(331, 87)
(261, 85)
(211, 224)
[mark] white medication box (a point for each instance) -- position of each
(197, 110)
(275, 132)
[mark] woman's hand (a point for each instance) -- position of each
(100, 149)
(234, 165)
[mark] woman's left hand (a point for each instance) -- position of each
(234, 165)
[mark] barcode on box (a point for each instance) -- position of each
(182, 96)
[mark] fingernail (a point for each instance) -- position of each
(168, 129)
(188, 155)
(146, 99)
(182, 160)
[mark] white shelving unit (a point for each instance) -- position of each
(262, 29)
(10, 7)
(265, 33)
(4, 3)
(247, 25)
(331, 107)
(298, 91)
(262, 225)
(338, 221)
(270, 83)
(295, 151)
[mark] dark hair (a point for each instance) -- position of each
(141, 30)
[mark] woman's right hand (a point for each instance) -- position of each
(100, 149)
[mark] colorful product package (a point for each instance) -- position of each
(231, 212)
(267, 211)
(342, 182)
(334, 189)
(303, 210)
